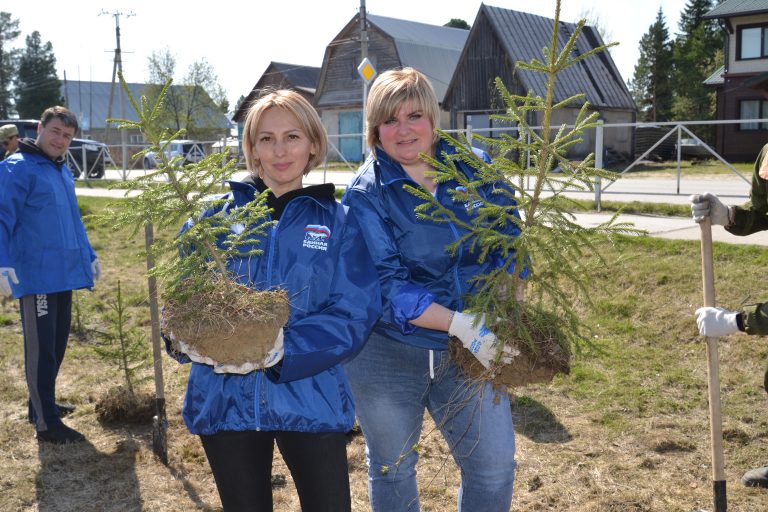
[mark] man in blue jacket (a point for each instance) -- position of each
(44, 255)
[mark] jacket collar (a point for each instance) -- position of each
(322, 194)
(29, 147)
(392, 171)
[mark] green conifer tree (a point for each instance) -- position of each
(651, 84)
(697, 53)
(560, 254)
(9, 31)
(37, 85)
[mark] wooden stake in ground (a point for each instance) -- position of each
(713, 372)
(160, 423)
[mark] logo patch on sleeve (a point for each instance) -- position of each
(316, 237)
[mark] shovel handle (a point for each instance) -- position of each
(154, 314)
(713, 372)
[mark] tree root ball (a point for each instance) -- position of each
(543, 353)
(120, 406)
(229, 324)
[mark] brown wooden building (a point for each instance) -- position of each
(392, 43)
(279, 75)
(742, 83)
(498, 40)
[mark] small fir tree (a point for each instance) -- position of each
(124, 345)
(202, 299)
(560, 255)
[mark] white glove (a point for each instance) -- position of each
(714, 322)
(708, 205)
(96, 269)
(7, 276)
(477, 338)
(272, 358)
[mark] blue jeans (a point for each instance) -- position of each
(391, 385)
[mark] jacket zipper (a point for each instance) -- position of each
(261, 395)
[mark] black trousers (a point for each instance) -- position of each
(242, 467)
(46, 320)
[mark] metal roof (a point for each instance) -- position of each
(301, 77)
(730, 8)
(90, 101)
(432, 49)
(524, 35)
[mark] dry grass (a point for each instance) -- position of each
(627, 430)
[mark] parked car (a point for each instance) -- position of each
(188, 151)
(96, 153)
(88, 155)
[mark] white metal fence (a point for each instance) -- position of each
(681, 133)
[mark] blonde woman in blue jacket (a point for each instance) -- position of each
(44, 255)
(405, 368)
(300, 399)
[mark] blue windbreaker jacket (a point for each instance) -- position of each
(316, 253)
(414, 267)
(41, 233)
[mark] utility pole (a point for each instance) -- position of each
(117, 67)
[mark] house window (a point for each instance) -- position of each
(752, 42)
(753, 109)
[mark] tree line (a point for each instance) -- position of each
(668, 79)
(29, 83)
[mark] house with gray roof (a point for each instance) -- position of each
(741, 85)
(392, 43)
(90, 101)
(500, 38)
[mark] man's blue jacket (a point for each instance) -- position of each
(317, 254)
(41, 233)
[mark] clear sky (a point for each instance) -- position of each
(240, 38)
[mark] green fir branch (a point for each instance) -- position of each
(173, 193)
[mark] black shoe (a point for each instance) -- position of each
(65, 409)
(757, 477)
(60, 435)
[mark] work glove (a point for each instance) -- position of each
(96, 269)
(477, 338)
(714, 322)
(272, 358)
(7, 276)
(708, 205)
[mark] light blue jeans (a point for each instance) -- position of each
(391, 385)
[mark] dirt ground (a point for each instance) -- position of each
(567, 462)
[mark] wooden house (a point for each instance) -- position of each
(279, 75)
(392, 43)
(741, 85)
(499, 38)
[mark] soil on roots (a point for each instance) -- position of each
(119, 406)
(230, 324)
(538, 358)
